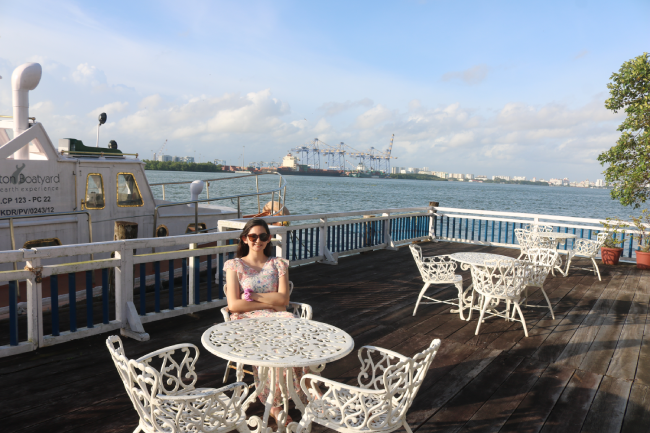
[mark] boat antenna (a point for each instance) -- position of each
(102, 120)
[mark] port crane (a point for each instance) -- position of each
(160, 152)
(310, 153)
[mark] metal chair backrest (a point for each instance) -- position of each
(544, 259)
(435, 269)
(501, 278)
(538, 228)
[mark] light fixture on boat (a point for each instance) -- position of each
(102, 120)
(112, 144)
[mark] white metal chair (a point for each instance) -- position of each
(388, 384)
(502, 280)
(526, 240)
(299, 310)
(538, 228)
(436, 270)
(587, 248)
(161, 388)
(545, 259)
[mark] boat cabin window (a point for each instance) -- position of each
(94, 192)
(162, 231)
(52, 242)
(128, 193)
(190, 228)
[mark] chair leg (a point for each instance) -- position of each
(486, 301)
(406, 427)
(304, 424)
(550, 307)
(521, 316)
(424, 289)
(225, 375)
(568, 263)
(596, 268)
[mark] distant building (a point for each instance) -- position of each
(555, 182)
(519, 178)
(534, 179)
(177, 159)
(481, 177)
(188, 159)
(600, 182)
(469, 176)
(413, 170)
(506, 178)
(167, 158)
(395, 170)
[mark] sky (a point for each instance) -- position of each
(483, 87)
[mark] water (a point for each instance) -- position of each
(312, 194)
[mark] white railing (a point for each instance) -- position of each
(310, 238)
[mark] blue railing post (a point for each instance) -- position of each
(156, 269)
(89, 299)
(72, 299)
(184, 283)
(210, 276)
(13, 313)
(143, 289)
(171, 284)
(54, 296)
(105, 318)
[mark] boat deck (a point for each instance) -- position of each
(588, 370)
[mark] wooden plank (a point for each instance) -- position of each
(624, 361)
(498, 408)
(574, 352)
(637, 413)
(429, 401)
(464, 405)
(608, 408)
(582, 299)
(601, 350)
(643, 374)
(571, 409)
(535, 408)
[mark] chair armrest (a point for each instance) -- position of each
(225, 312)
(166, 350)
(300, 310)
(333, 385)
(240, 389)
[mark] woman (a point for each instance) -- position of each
(257, 285)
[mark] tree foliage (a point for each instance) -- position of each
(181, 166)
(628, 162)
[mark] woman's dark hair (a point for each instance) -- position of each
(242, 250)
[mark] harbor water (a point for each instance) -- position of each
(314, 194)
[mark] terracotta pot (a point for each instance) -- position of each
(642, 260)
(610, 256)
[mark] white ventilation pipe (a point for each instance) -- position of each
(196, 188)
(25, 78)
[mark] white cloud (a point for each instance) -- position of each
(334, 108)
(109, 109)
(473, 75)
(88, 75)
(376, 115)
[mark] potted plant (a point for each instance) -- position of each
(642, 223)
(610, 252)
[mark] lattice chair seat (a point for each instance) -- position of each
(161, 388)
(587, 248)
(436, 270)
(388, 384)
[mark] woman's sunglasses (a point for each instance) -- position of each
(263, 237)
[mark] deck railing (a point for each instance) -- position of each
(133, 288)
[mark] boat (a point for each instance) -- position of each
(71, 193)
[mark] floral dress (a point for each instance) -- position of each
(265, 281)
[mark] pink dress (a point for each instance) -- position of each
(265, 281)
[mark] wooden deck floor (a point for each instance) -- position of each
(588, 370)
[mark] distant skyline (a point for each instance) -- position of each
(476, 87)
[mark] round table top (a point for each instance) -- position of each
(477, 259)
(556, 235)
(277, 342)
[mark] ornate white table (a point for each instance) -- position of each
(274, 345)
(557, 238)
(466, 299)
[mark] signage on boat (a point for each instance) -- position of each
(32, 188)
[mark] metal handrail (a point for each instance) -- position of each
(12, 218)
(207, 181)
(281, 197)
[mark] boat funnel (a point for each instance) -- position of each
(196, 188)
(25, 78)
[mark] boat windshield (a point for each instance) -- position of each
(128, 193)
